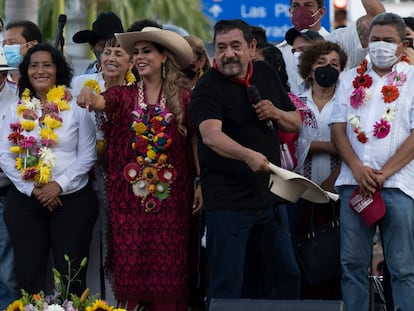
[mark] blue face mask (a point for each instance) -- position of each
(12, 54)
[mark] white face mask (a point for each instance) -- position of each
(296, 56)
(382, 54)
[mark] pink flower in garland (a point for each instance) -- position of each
(358, 97)
(382, 128)
(29, 173)
(396, 79)
(27, 142)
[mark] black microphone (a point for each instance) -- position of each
(59, 31)
(254, 95)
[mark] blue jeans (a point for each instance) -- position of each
(397, 230)
(8, 283)
(228, 234)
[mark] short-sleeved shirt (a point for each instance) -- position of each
(377, 151)
(229, 183)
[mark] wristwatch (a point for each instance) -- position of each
(197, 182)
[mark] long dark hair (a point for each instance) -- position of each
(64, 71)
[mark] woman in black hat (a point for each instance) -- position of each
(103, 28)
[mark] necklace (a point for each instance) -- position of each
(35, 159)
(151, 175)
(360, 95)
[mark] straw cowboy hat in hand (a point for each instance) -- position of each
(292, 186)
(166, 38)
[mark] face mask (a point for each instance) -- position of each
(190, 72)
(382, 54)
(303, 18)
(296, 57)
(1, 36)
(12, 54)
(326, 76)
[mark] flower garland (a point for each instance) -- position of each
(35, 159)
(361, 95)
(151, 175)
(94, 85)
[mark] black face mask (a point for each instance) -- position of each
(190, 72)
(326, 76)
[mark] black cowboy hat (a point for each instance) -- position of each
(104, 27)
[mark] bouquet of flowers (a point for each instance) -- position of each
(61, 299)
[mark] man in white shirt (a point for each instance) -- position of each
(307, 14)
(372, 126)
(8, 283)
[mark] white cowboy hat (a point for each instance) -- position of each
(3, 62)
(166, 38)
(291, 186)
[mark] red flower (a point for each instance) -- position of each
(15, 137)
(156, 125)
(362, 80)
(141, 144)
(362, 137)
(363, 67)
(390, 93)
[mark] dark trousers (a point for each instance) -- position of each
(228, 235)
(34, 230)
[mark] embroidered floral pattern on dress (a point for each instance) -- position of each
(360, 95)
(35, 159)
(151, 175)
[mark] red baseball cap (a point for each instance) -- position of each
(371, 209)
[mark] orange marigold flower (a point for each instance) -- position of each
(363, 67)
(362, 137)
(390, 93)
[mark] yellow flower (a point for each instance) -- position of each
(129, 77)
(93, 84)
(99, 305)
(20, 109)
(48, 133)
(19, 163)
(151, 154)
(17, 305)
(139, 127)
(63, 105)
(51, 122)
(100, 146)
(15, 149)
(43, 175)
(26, 94)
(28, 125)
(55, 94)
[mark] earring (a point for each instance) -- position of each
(163, 73)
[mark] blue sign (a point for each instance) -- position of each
(272, 15)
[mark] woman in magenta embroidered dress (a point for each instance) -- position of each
(151, 169)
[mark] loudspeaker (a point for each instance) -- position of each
(275, 305)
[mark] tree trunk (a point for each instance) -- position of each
(21, 9)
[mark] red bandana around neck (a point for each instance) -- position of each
(245, 81)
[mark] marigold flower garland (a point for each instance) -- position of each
(151, 175)
(35, 159)
(94, 85)
(361, 95)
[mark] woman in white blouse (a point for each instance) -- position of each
(47, 148)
